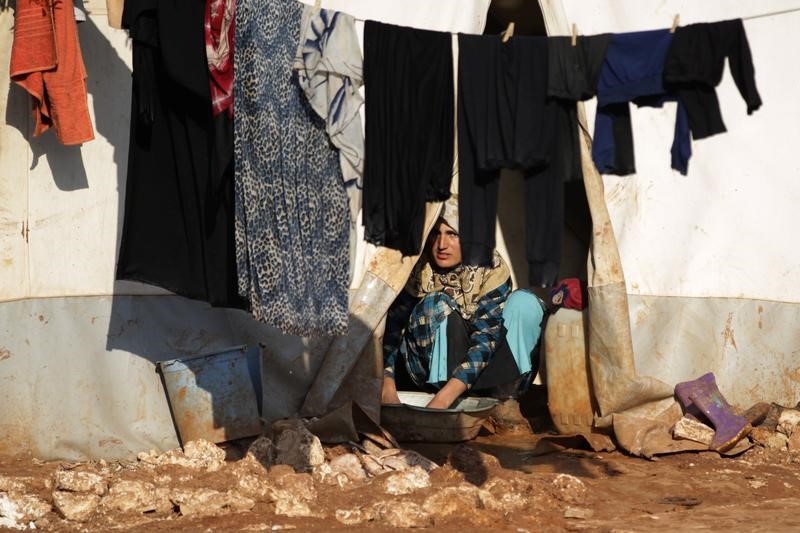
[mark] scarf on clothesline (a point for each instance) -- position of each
(219, 29)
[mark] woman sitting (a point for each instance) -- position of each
(456, 328)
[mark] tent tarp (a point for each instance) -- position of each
(703, 258)
(79, 382)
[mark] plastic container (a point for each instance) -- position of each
(411, 421)
(569, 387)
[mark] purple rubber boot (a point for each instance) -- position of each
(729, 428)
(683, 393)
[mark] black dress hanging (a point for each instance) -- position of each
(178, 223)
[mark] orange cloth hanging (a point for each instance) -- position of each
(46, 61)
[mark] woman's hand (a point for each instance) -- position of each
(389, 391)
(448, 394)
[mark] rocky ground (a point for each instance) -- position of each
(291, 482)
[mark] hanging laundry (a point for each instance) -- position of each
(219, 29)
(633, 72)
(329, 69)
(694, 66)
(79, 10)
(292, 219)
(178, 224)
(505, 120)
(408, 78)
(572, 71)
(46, 61)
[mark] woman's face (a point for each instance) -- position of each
(445, 247)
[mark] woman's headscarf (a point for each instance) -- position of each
(466, 285)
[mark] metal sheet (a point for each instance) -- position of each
(214, 396)
(77, 375)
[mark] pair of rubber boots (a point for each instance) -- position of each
(702, 400)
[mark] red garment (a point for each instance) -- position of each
(570, 293)
(46, 61)
(219, 50)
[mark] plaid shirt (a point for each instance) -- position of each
(410, 328)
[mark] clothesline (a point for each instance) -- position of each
(772, 14)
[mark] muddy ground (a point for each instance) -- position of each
(493, 482)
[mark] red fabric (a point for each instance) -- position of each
(570, 293)
(219, 50)
(46, 61)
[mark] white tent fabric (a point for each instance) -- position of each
(711, 274)
(708, 234)
(76, 347)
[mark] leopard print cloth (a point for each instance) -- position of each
(292, 242)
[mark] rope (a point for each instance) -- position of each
(793, 10)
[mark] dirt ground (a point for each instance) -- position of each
(519, 491)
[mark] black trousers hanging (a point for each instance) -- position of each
(408, 79)
(505, 120)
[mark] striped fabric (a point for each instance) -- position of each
(411, 327)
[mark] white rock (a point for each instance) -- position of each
(237, 502)
(324, 474)
(208, 502)
(692, 429)
(352, 517)
(163, 502)
(294, 508)
(131, 496)
(75, 505)
(257, 487)
(199, 454)
(407, 481)
(788, 421)
(298, 486)
(504, 503)
(205, 454)
(31, 507)
(14, 484)
(350, 466)
(296, 446)
(497, 494)
(293, 495)
(10, 516)
(569, 488)
(75, 481)
(776, 441)
(452, 500)
(403, 513)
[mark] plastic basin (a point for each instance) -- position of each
(411, 421)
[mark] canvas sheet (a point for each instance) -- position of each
(79, 382)
(720, 231)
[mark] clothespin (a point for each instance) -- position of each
(574, 34)
(317, 6)
(509, 32)
(675, 22)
